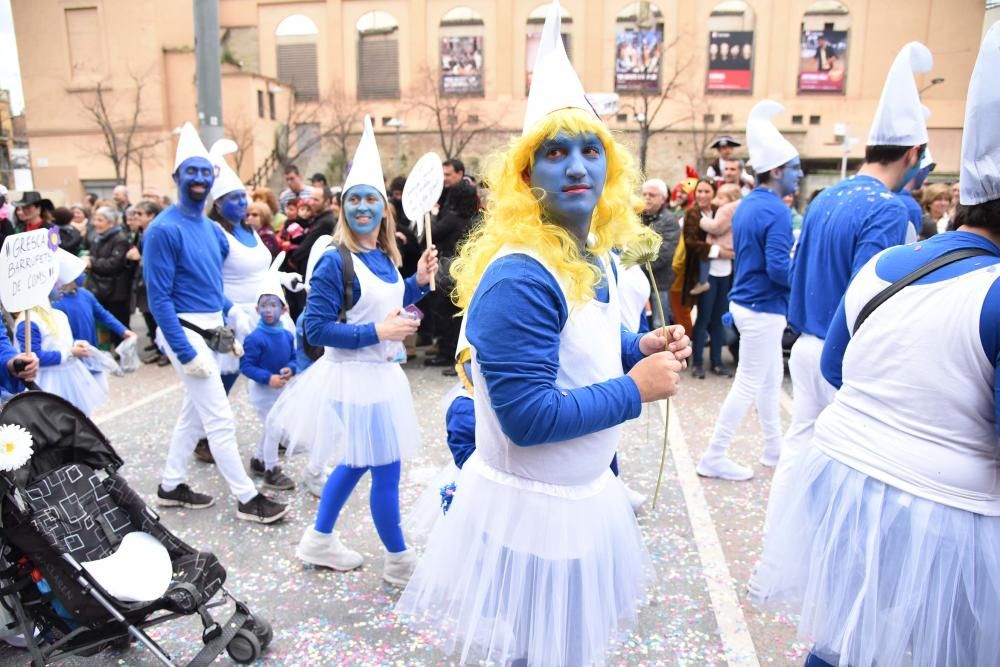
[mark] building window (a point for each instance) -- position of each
(797, 119)
(638, 48)
(461, 52)
(536, 19)
(86, 50)
(708, 119)
(297, 59)
(726, 119)
(378, 56)
(270, 104)
(814, 120)
(260, 103)
(621, 117)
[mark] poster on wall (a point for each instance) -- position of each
(531, 51)
(823, 61)
(462, 65)
(637, 59)
(730, 61)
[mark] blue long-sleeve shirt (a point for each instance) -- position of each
(514, 322)
(8, 383)
(182, 266)
(266, 350)
(762, 241)
(914, 213)
(326, 294)
(845, 226)
(302, 360)
(900, 261)
(46, 357)
(83, 310)
(460, 423)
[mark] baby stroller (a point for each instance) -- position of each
(66, 506)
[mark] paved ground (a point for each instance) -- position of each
(704, 536)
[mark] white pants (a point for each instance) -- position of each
(811, 393)
(758, 379)
(263, 398)
(205, 411)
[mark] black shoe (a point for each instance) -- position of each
(698, 372)
(183, 496)
(450, 372)
(256, 467)
(152, 358)
(203, 452)
(149, 348)
(722, 371)
(438, 361)
(164, 360)
(261, 509)
(275, 479)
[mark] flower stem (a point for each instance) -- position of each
(666, 412)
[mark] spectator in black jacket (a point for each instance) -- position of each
(110, 270)
(458, 208)
(323, 222)
(406, 236)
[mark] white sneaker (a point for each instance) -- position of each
(635, 498)
(314, 481)
(769, 458)
(723, 468)
(325, 550)
(399, 567)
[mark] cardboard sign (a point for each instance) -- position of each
(29, 268)
(423, 186)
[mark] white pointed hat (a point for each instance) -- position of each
(554, 83)
(768, 148)
(226, 180)
(70, 267)
(980, 174)
(189, 145)
(899, 119)
(366, 167)
(271, 282)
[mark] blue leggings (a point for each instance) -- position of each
(228, 380)
(384, 501)
(815, 661)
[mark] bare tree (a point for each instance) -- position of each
(338, 116)
(450, 115)
(704, 129)
(141, 150)
(242, 134)
(118, 130)
(646, 102)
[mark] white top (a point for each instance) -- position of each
(940, 445)
(634, 292)
(378, 299)
(244, 270)
(589, 352)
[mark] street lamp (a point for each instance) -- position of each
(846, 143)
(934, 82)
(398, 125)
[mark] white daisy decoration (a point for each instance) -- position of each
(15, 447)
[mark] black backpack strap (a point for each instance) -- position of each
(347, 264)
(914, 276)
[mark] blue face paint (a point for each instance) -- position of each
(270, 308)
(918, 180)
(233, 206)
(568, 178)
(911, 172)
(789, 183)
(194, 178)
(56, 293)
(363, 209)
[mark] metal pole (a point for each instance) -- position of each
(208, 70)
(398, 148)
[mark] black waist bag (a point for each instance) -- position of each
(314, 352)
(219, 339)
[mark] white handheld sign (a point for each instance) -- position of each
(423, 186)
(421, 192)
(30, 268)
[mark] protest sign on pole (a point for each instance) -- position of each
(30, 270)
(422, 191)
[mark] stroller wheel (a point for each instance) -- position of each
(244, 648)
(264, 632)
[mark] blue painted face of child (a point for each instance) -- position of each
(194, 178)
(270, 308)
(363, 209)
(789, 183)
(233, 206)
(568, 178)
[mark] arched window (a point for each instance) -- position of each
(638, 47)
(730, 47)
(297, 60)
(461, 52)
(536, 19)
(378, 56)
(823, 47)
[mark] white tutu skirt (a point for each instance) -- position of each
(520, 569)
(883, 577)
(74, 382)
(356, 413)
(429, 509)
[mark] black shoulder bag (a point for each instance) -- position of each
(912, 277)
(314, 352)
